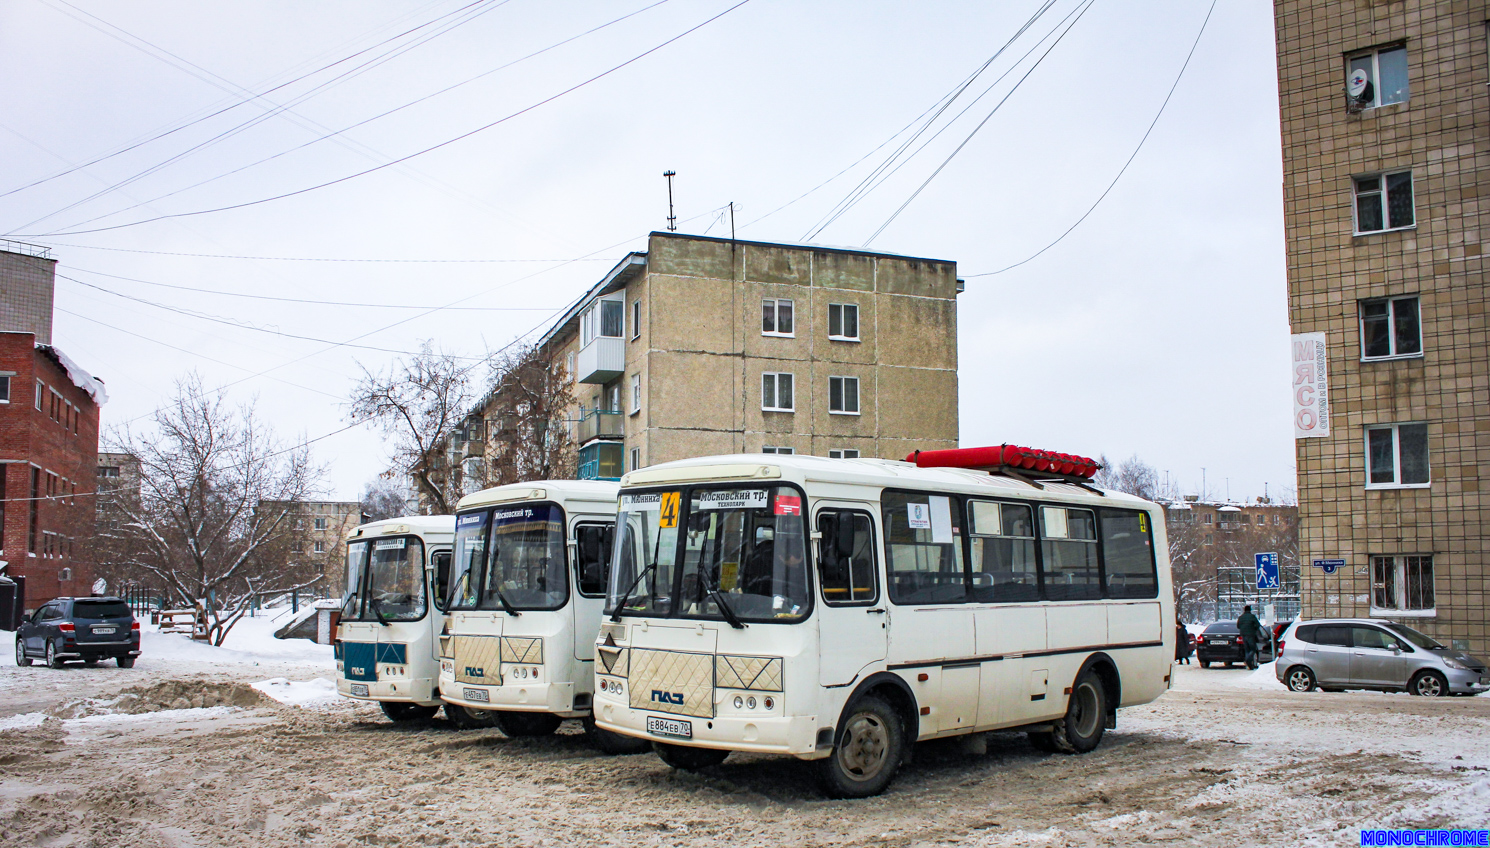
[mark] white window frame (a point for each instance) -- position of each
(1375, 54)
(779, 450)
(5, 378)
(1386, 214)
(843, 395)
(843, 453)
(1398, 565)
(321, 523)
(636, 458)
(319, 547)
(776, 317)
(840, 336)
(775, 379)
(39, 394)
(636, 393)
(636, 320)
(1391, 303)
(1396, 457)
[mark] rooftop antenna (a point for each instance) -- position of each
(672, 220)
(731, 220)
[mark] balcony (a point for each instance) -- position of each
(601, 424)
(602, 461)
(600, 361)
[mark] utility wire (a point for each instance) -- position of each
(311, 258)
(380, 116)
(314, 302)
(417, 153)
(981, 124)
(1131, 157)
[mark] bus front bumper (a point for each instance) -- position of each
(407, 690)
(763, 734)
(556, 698)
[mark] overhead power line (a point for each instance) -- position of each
(56, 244)
(1131, 156)
(418, 153)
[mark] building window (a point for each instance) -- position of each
(5, 388)
(636, 393)
(569, 364)
(636, 458)
(1209, 517)
(1210, 539)
(320, 524)
(38, 395)
(1383, 202)
(1402, 583)
(843, 395)
(1396, 455)
(474, 431)
(776, 392)
(1377, 77)
(636, 319)
(612, 319)
(843, 453)
(776, 317)
(320, 547)
(780, 450)
(843, 322)
(1390, 327)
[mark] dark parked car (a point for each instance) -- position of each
(1222, 643)
(87, 629)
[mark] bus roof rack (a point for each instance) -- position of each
(1029, 465)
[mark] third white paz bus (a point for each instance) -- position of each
(839, 610)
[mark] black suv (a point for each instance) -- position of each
(87, 629)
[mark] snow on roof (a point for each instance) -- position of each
(80, 378)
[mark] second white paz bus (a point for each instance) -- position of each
(526, 589)
(839, 610)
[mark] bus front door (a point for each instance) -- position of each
(853, 619)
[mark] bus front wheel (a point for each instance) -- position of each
(609, 742)
(515, 724)
(469, 719)
(687, 758)
(407, 712)
(871, 746)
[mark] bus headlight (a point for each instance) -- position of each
(739, 703)
(750, 702)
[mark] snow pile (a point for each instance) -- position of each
(25, 721)
(250, 642)
(190, 713)
(307, 693)
(80, 378)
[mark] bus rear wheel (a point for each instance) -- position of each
(1086, 716)
(610, 742)
(871, 746)
(468, 719)
(407, 712)
(687, 758)
(517, 724)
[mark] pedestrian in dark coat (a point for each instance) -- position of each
(1252, 635)
(1184, 643)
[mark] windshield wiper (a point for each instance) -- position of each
(615, 614)
(506, 607)
(724, 608)
(377, 608)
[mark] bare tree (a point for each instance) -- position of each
(1132, 475)
(419, 401)
(383, 498)
(200, 526)
(526, 411)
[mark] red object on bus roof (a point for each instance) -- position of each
(1007, 456)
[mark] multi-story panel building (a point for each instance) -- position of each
(1385, 157)
(714, 346)
(318, 536)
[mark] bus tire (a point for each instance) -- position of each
(688, 758)
(515, 724)
(1080, 730)
(1043, 741)
(407, 712)
(610, 742)
(469, 719)
(869, 748)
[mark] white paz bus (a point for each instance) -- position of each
(839, 610)
(387, 641)
(526, 591)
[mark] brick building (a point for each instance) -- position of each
(1386, 165)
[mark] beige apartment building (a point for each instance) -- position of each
(714, 346)
(319, 535)
(1386, 190)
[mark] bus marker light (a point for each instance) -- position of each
(739, 703)
(923, 677)
(926, 711)
(770, 702)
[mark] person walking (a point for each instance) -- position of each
(1252, 635)
(1183, 643)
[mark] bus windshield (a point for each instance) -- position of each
(387, 580)
(467, 559)
(741, 548)
(527, 563)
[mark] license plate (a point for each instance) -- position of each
(1485, 681)
(1218, 641)
(670, 727)
(103, 630)
(476, 695)
(359, 689)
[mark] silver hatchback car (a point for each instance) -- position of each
(1357, 653)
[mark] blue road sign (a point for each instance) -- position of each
(1329, 566)
(1267, 571)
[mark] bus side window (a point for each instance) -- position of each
(1003, 546)
(846, 557)
(923, 553)
(1069, 548)
(1128, 554)
(441, 562)
(593, 544)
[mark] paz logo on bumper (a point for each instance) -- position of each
(667, 697)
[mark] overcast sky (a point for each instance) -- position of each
(1157, 327)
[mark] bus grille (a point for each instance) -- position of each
(672, 682)
(477, 659)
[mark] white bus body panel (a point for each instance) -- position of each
(970, 667)
(542, 659)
